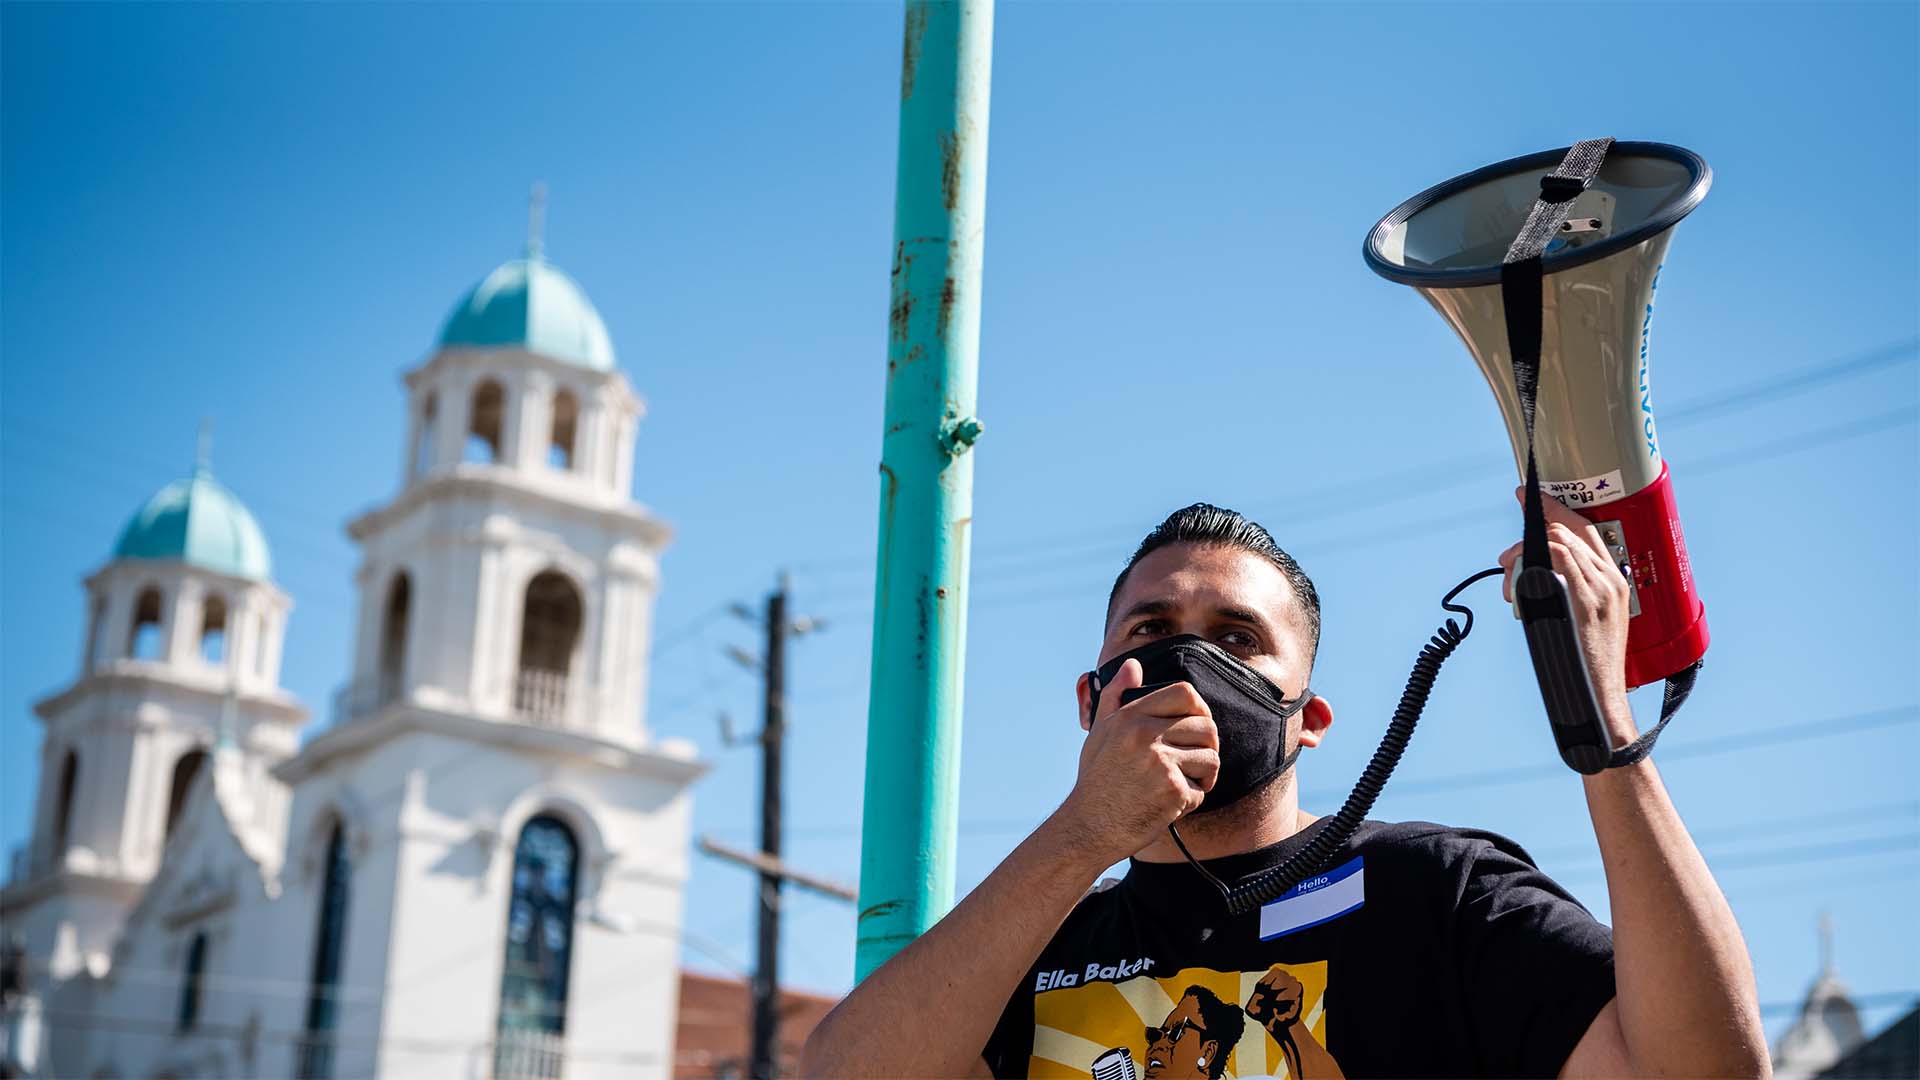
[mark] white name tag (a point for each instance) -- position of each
(1318, 899)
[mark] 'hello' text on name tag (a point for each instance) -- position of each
(1318, 899)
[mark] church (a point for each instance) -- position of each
(476, 867)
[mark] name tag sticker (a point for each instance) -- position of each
(1320, 898)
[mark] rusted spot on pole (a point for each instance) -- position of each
(950, 145)
(910, 48)
(946, 306)
(885, 907)
(901, 315)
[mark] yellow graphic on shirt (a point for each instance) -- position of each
(1197, 1023)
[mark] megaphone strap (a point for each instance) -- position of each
(1566, 687)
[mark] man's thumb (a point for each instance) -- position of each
(1129, 676)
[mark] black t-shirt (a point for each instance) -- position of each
(1422, 951)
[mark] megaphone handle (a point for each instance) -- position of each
(1560, 665)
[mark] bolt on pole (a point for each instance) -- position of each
(926, 478)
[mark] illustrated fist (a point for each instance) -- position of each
(1275, 1001)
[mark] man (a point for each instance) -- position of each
(1420, 950)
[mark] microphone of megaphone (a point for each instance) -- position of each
(1594, 434)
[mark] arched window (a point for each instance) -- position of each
(393, 639)
(566, 420)
(549, 631)
(146, 640)
(190, 983)
(423, 437)
(184, 772)
(484, 423)
(95, 622)
(213, 629)
(63, 803)
(323, 1006)
(533, 983)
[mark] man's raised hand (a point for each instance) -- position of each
(1144, 764)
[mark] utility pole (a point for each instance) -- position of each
(766, 967)
(926, 479)
(772, 873)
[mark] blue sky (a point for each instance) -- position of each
(261, 214)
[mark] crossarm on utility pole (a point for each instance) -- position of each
(780, 868)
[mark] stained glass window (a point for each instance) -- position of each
(190, 983)
(323, 1006)
(533, 985)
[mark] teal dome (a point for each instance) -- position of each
(531, 304)
(196, 521)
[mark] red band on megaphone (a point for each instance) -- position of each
(1670, 632)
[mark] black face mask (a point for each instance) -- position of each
(1250, 712)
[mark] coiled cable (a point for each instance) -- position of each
(1312, 858)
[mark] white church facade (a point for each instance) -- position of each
(477, 868)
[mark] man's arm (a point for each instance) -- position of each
(929, 1010)
(1684, 1000)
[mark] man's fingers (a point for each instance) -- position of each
(1558, 514)
(1201, 768)
(1172, 702)
(1192, 733)
(1509, 560)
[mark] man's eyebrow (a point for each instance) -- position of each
(1247, 615)
(1230, 612)
(1147, 607)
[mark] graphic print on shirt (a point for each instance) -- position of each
(1196, 1023)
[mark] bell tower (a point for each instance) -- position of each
(181, 656)
(512, 579)
(489, 756)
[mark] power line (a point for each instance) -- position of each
(1403, 484)
(1896, 716)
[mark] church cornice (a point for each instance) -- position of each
(149, 678)
(357, 736)
(61, 880)
(504, 482)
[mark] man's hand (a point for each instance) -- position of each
(1275, 1001)
(1144, 764)
(1602, 599)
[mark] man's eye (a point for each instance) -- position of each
(1238, 639)
(1149, 627)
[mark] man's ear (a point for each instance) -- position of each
(1316, 716)
(1083, 693)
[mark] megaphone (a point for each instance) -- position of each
(1583, 296)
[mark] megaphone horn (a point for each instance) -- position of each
(1546, 266)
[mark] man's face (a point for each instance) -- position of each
(1181, 1046)
(1233, 598)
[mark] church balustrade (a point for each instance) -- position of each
(529, 1054)
(547, 698)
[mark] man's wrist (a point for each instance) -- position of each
(1617, 714)
(1070, 844)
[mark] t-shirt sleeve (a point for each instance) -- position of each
(1535, 967)
(1010, 1048)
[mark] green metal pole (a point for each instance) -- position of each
(926, 478)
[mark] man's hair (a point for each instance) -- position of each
(1222, 1021)
(1212, 526)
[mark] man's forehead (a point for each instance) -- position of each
(1208, 574)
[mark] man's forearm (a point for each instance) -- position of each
(929, 1010)
(1683, 981)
